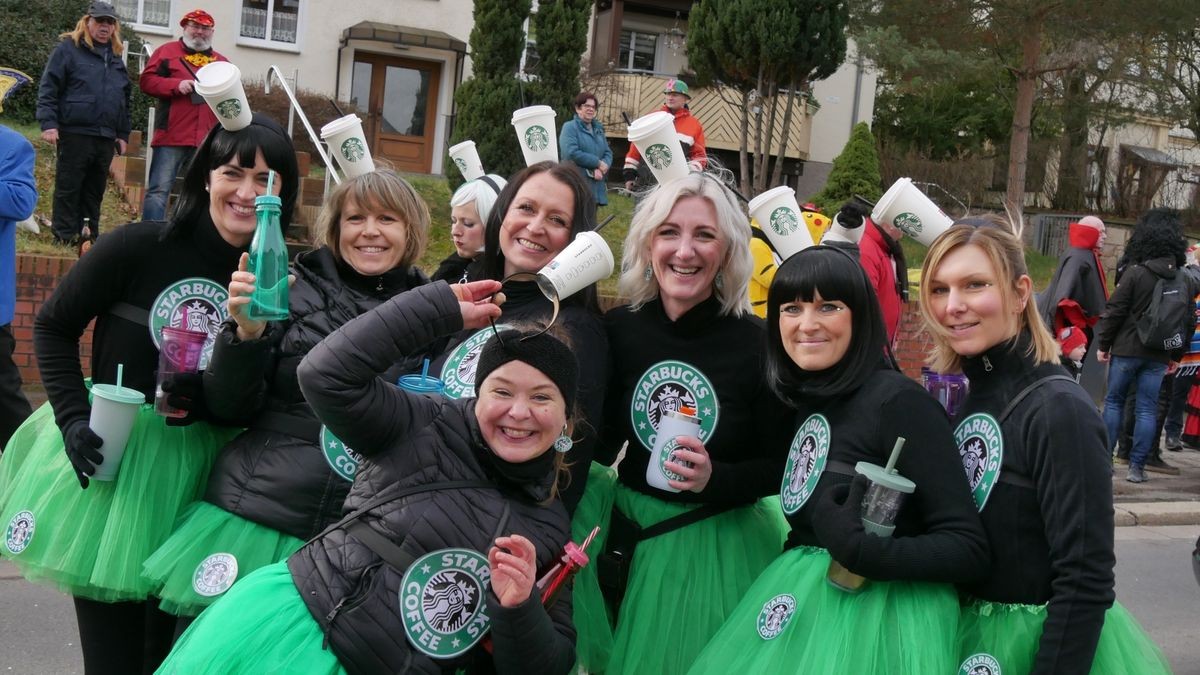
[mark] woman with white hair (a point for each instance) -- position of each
(470, 207)
(686, 339)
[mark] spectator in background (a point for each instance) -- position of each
(687, 127)
(18, 196)
(83, 109)
(582, 141)
(880, 254)
(183, 118)
(1078, 290)
(1172, 398)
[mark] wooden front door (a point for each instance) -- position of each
(399, 97)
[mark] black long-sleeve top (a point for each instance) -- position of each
(1051, 544)
(702, 360)
(130, 265)
(938, 535)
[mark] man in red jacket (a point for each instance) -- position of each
(687, 128)
(183, 118)
(882, 258)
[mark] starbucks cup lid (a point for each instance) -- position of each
(877, 474)
(118, 394)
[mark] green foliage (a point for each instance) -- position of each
(561, 30)
(498, 38)
(854, 172)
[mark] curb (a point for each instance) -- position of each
(1156, 513)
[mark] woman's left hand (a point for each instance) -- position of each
(695, 479)
(514, 570)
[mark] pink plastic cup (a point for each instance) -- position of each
(179, 352)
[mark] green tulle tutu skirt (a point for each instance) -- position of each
(209, 550)
(683, 584)
(793, 621)
(1007, 636)
(593, 622)
(92, 543)
(260, 626)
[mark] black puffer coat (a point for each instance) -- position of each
(275, 473)
(409, 440)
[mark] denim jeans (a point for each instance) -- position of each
(1122, 372)
(164, 167)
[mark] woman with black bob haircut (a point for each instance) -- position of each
(135, 281)
(895, 609)
(536, 216)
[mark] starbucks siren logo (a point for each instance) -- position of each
(909, 223)
(19, 532)
(196, 304)
(784, 221)
(659, 156)
(980, 664)
(665, 455)
(805, 462)
(537, 138)
(459, 370)
(215, 574)
(461, 164)
(775, 615)
(342, 460)
(981, 448)
(666, 387)
(353, 149)
(443, 601)
(230, 108)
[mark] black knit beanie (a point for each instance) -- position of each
(545, 352)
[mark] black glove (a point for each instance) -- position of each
(82, 446)
(837, 521)
(628, 174)
(185, 391)
(851, 215)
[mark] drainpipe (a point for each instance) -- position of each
(858, 78)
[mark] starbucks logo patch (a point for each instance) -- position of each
(19, 532)
(664, 456)
(659, 156)
(909, 223)
(230, 108)
(668, 386)
(459, 370)
(353, 149)
(443, 601)
(980, 664)
(215, 574)
(195, 304)
(462, 165)
(981, 448)
(537, 138)
(342, 460)
(805, 462)
(784, 221)
(775, 615)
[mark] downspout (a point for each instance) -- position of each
(858, 78)
(337, 72)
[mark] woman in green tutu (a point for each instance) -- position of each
(1037, 462)
(453, 518)
(886, 605)
(281, 482)
(136, 280)
(687, 340)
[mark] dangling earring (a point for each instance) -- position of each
(563, 443)
(719, 281)
(648, 274)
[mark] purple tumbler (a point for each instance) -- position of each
(179, 352)
(949, 389)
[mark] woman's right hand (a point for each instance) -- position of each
(241, 285)
(478, 301)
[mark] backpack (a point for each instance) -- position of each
(1168, 321)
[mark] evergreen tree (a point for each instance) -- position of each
(855, 172)
(561, 30)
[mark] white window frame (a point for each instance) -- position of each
(151, 28)
(267, 42)
(658, 49)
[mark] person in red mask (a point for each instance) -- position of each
(1078, 291)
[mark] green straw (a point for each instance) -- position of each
(120, 373)
(270, 180)
(891, 465)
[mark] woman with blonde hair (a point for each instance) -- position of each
(470, 207)
(1038, 468)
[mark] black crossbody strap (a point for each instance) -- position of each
(130, 312)
(684, 519)
(400, 493)
(840, 468)
(391, 553)
(1011, 477)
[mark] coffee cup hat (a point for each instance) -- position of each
(348, 145)
(779, 216)
(220, 83)
(907, 209)
(583, 262)
(847, 225)
(466, 157)
(536, 133)
(655, 137)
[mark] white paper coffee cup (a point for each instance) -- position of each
(838, 233)
(114, 410)
(655, 137)
(536, 133)
(220, 83)
(348, 144)
(581, 264)
(906, 208)
(466, 158)
(779, 216)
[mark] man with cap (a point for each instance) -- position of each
(183, 118)
(83, 109)
(687, 127)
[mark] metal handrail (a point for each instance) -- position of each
(146, 52)
(329, 170)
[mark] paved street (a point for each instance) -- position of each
(1154, 580)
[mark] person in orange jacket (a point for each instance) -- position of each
(687, 127)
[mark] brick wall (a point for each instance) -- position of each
(36, 278)
(912, 342)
